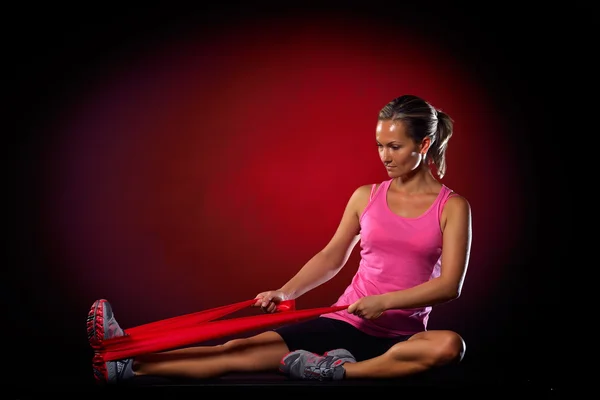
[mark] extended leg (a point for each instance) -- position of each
(257, 353)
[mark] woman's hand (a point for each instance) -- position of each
(368, 307)
(269, 300)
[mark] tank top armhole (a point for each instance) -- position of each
(371, 197)
(372, 191)
(451, 193)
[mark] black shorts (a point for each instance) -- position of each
(322, 334)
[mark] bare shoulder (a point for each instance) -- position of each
(361, 194)
(360, 198)
(457, 206)
(459, 202)
(364, 190)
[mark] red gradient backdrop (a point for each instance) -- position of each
(204, 169)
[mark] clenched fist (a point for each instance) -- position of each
(369, 307)
(269, 300)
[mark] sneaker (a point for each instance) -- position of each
(111, 372)
(302, 364)
(341, 353)
(102, 325)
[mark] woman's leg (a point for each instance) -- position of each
(257, 353)
(421, 352)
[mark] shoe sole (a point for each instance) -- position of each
(97, 325)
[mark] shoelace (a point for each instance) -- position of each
(322, 369)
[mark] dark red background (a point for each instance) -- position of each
(175, 162)
(202, 173)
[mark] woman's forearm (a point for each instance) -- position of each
(435, 291)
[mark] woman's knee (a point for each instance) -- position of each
(449, 348)
(236, 345)
(433, 348)
(263, 351)
(262, 340)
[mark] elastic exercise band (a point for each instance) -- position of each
(195, 328)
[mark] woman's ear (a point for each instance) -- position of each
(425, 143)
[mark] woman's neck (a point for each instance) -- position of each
(418, 181)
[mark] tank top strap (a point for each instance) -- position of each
(444, 198)
(375, 189)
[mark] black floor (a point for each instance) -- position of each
(450, 381)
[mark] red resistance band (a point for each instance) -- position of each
(193, 328)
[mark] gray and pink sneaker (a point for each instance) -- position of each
(302, 364)
(102, 325)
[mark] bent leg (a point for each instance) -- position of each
(257, 353)
(421, 352)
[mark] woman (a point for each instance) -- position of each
(415, 238)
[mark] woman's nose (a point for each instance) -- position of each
(385, 155)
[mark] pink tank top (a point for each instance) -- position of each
(397, 253)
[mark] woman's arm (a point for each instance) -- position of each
(326, 263)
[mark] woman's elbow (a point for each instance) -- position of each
(451, 291)
(334, 260)
(454, 294)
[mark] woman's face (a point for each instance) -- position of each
(398, 152)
